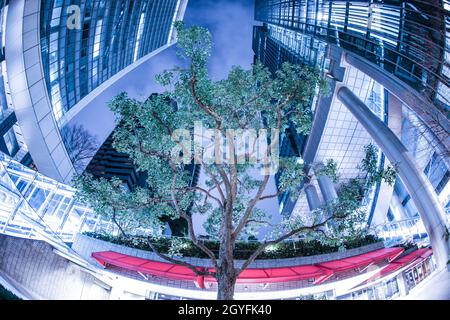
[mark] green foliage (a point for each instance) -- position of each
(7, 295)
(251, 99)
(184, 247)
(110, 199)
(350, 196)
(348, 211)
(292, 174)
(375, 175)
(178, 227)
(330, 169)
(389, 175)
(369, 163)
(349, 206)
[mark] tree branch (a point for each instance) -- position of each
(199, 271)
(188, 219)
(271, 196)
(200, 103)
(208, 194)
(117, 224)
(250, 208)
(263, 186)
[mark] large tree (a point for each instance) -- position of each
(162, 139)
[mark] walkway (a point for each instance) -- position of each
(33, 265)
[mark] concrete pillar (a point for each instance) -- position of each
(417, 184)
(312, 197)
(385, 194)
(326, 186)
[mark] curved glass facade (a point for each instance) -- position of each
(409, 39)
(86, 42)
(11, 142)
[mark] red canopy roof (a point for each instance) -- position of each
(272, 275)
(412, 258)
(318, 272)
(363, 260)
(155, 268)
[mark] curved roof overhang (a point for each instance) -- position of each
(29, 91)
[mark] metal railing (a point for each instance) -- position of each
(31, 203)
(403, 230)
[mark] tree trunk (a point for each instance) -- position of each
(226, 280)
(226, 273)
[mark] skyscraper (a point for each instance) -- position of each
(108, 163)
(386, 63)
(61, 55)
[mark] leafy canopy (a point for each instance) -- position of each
(246, 100)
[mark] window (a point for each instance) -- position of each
(98, 33)
(139, 35)
(11, 142)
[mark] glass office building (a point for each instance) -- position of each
(394, 56)
(409, 39)
(61, 55)
(108, 37)
(34, 206)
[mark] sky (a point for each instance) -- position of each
(231, 25)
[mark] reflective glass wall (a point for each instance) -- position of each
(406, 38)
(409, 39)
(86, 42)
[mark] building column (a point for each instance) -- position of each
(417, 184)
(29, 95)
(386, 191)
(312, 197)
(326, 186)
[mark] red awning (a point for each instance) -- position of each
(155, 268)
(412, 258)
(286, 274)
(318, 272)
(363, 260)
